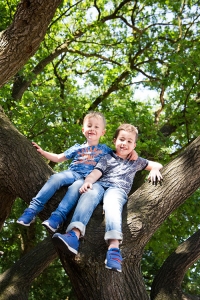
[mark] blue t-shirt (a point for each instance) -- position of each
(119, 172)
(85, 157)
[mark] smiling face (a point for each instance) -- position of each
(93, 129)
(125, 143)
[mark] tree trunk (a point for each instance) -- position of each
(23, 37)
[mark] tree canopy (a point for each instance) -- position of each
(136, 62)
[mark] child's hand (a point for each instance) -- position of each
(155, 176)
(85, 187)
(38, 148)
(132, 155)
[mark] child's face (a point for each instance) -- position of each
(93, 129)
(124, 143)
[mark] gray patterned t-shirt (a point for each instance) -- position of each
(119, 172)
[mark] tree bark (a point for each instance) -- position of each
(16, 281)
(23, 37)
(167, 283)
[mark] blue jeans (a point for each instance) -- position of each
(54, 183)
(113, 201)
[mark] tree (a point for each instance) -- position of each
(109, 51)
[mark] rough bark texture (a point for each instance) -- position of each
(23, 171)
(167, 283)
(16, 281)
(22, 38)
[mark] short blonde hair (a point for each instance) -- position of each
(126, 127)
(95, 114)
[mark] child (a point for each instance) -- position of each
(115, 175)
(84, 157)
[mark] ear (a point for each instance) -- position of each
(134, 146)
(103, 132)
(114, 140)
(83, 129)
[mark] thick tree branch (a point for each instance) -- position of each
(167, 283)
(16, 281)
(22, 38)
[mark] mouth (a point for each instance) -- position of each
(91, 133)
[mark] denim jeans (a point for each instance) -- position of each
(70, 200)
(85, 207)
(54, 183)
(113, 201)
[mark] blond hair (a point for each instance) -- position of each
(126, 127)
(95, 114)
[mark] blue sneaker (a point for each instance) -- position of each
(113, 260)
(67, 241)
(53, 222)
(27, 217)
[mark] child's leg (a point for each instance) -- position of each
(69, 200)
(85, 207)
(113, 243)
(66, 205)
(55, 182)
(114, 200)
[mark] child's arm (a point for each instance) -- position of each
(154, 168)
(51, 156)
(89, 180)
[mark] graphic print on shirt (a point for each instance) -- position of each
(88, 155)
(84, 158)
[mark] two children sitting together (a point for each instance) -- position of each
(96, 174)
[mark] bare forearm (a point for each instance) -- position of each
(154, 165)
(89, 180)
(48, 155)
(53, 156)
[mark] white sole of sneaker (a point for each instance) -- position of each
(110, 268)
(62, 245)
(22, 223)
(46, 224)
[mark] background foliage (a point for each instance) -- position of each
(137, 62)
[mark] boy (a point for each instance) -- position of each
(84, 157)
(115, 175)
